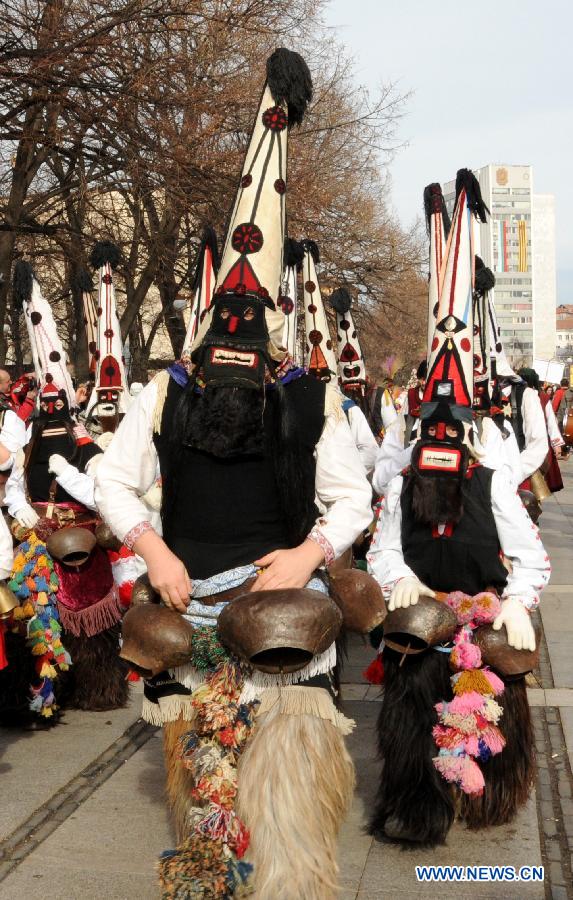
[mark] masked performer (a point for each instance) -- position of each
(109, 398)
(245, 443)
(50, 494)
(448, 723)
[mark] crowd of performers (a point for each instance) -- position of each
(212, 515)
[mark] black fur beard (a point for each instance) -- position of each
(437, 498)
(225, 421)
(414, 804)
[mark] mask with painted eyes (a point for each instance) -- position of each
(234, 350)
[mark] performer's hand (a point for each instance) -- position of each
(517, 621)
(166, 572)
(27, 516)
(57, 464)
(407, 591)
(288, 568)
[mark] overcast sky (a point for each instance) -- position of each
(492, 81)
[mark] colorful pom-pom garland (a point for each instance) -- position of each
(35, 584)
(467, 730)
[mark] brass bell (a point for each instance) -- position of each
(539, 486)
(8, 601)
(71, 546)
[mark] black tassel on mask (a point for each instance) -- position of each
(466, 179)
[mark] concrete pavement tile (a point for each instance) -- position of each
(567, 723)
(392, 870)
(536, 696)
(109, 846)
(63, 752)
(353, 691)
(562, 697)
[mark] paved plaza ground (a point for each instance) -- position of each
(83, 815)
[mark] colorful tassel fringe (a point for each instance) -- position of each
(208, 862)
(35, 583)
(467, 726)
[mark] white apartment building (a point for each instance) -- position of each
(518, 244)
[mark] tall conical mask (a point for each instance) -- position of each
(244, 317)
(110, 383)
(438, 228)
(351, 368)
(288, 299)
(90, 317)
(319, 357)
(50, 358)
(450, 369)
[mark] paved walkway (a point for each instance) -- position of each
(83, 813)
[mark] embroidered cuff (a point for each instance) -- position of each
(317, 536)
(132, 536)
(530, 603)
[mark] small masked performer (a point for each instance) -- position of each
(320, 356)
(109, 398)
(454, 726)
(245, 443)
(50, 494)
(352, 381)
(550, 467)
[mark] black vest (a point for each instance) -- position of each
(227, 512)
(39, 479)
(467, 561)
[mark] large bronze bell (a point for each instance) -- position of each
(8, 601)
(71, 546)
(142, 592)
(279, 631)
(413, 629)
(155, 638)
(501, 656)
(106, 539)
(360, 598)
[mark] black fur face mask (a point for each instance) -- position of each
(224, 421)
(438, 498)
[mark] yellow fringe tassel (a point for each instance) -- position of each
(472, 680)
(300, 701)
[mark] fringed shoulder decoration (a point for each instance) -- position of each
(304, 701)
(333, 400)
(161, 380)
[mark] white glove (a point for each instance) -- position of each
(57, 464)
(27, 517)
(517, 621)
(407, 591)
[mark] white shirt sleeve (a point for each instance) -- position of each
(6, 549)
(79, 485)
(385, 557)
(13, 433)
(392, 456)
(342, 489)
(15, 494)
(363, 438)
(535, 431)
(552, 427)
(520, 542)
(128, 468)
